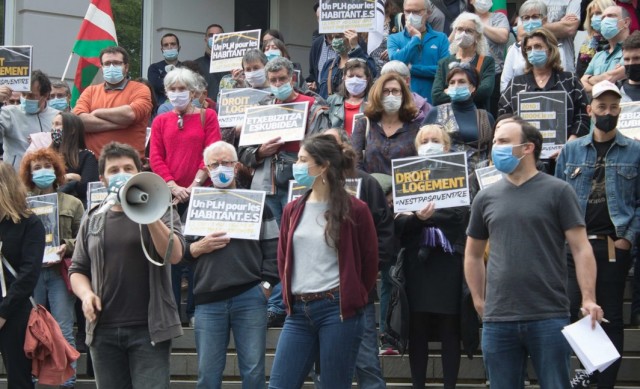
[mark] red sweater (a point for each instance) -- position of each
(357, 255)
(177, 154)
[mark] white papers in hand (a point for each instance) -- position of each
(592, 346)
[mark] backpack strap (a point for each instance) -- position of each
(6, 264)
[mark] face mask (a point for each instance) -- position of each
(117, 181)
(283, 91)
(464, 40)
(606, 123)
(56, 136)
(301, 174)
(503, 158)
(59, 104)
(196, 103)
(483, 5)
(460, 93)
(609, 28)
(256, 78)
(355, 85)
(210, 42)
(43, 178)
(415, 21)
(596, 21)
(179, 100)
(170, 54)
(430, 149)
(537, 58)
(391, 103)
(532, 25)
(30, 107)
(271, 54)
(633, 72)
(112, 74)
(338, 45)
(222, 176)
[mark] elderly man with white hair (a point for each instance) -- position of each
(468, 45)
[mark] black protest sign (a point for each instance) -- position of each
(15, 67)
(266, 122)
(547, 111)
(336, 16)
(228, 49)
(233, 103)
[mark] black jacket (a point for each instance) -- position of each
(213, 79)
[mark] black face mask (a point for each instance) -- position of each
(633, 72)
(606, 123)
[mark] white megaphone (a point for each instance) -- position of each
(145, 198)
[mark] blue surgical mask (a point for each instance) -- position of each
(210, 42)
(59, 104)
(503, 158)
(609, 27)
(117, 181)
(222, 176)
(43, 178)
(301, 174)
(113, 74)
(196, 103)
(460, 93)
(537, 58)
(30, 107)
(596, 20)
(271, 54)
(532, 25)
(170, 54)
(283, 91)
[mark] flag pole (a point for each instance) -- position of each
(66, 68)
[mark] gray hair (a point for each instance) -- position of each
(219, 145)
(184, 76)
(533, 5)
(254, 55)
(342, 134)
(202, 83)
(61, 84)
(279, 63)
(427, 5)
(481, 42)
(395, 66)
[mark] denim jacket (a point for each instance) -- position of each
(576, 165)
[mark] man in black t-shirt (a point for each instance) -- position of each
(630, 87)
(603, 170)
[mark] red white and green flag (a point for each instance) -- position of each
(96, 32)
(500, 6)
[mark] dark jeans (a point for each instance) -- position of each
(16, 364)
(610, 282)
(177, 273)
(635, 302)
(125, 358)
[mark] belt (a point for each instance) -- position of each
(307, 297)
(597, 237)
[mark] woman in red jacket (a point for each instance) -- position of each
(328, 263)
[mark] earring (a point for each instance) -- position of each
(323, 181)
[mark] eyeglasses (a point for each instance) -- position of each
(57, 96)
(393, 92)
(461, 65)
(417, 12)
(469, 31)
(13, 102)
(356, 60)
(216, 164)
(526, 18)
(112, 63)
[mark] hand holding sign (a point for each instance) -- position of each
(269, 148)
(426, 212)
(352, 38)
(5, 93)
(212, 242)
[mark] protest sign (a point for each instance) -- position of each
(96, 193)
(266, 122)
(352, 185)
(15, 67)
(488, 176)
(629, 120)
(237, 212)
(233, 103)
(547, 111)
(437, 178)
(228, 49)
(45, 207)
(336, 16)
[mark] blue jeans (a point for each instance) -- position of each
(245, 315)
(312, 328)
(177, 272)
(52, 288)
(505, 346)
(385, 293)
(276, 202)
(275, 303)
(368, 372)
(125, 358)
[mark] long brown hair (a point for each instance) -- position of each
(340, 161)
(375, 109)
(46, 154)
(72, 139)
(13, 195)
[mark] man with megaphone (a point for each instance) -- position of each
(117, 272)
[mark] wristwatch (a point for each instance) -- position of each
(266, 285)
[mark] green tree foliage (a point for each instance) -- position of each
(128, 20)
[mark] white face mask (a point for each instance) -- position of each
(392, 103)
(222, 176)
(256, 78)
(355, 85)
(179, 100)
(483, 5)
(430, 148)
(464, 40)
(415, 21)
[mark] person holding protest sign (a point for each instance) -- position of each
(434, 244)
(23, 241)
(351, 98)
(609, 192)
(468, 45)
(327, 260)
(388, 129)
(468, 126)
(233, 277)
(42, 172)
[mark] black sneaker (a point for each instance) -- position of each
(582, 379)
(275, 319)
